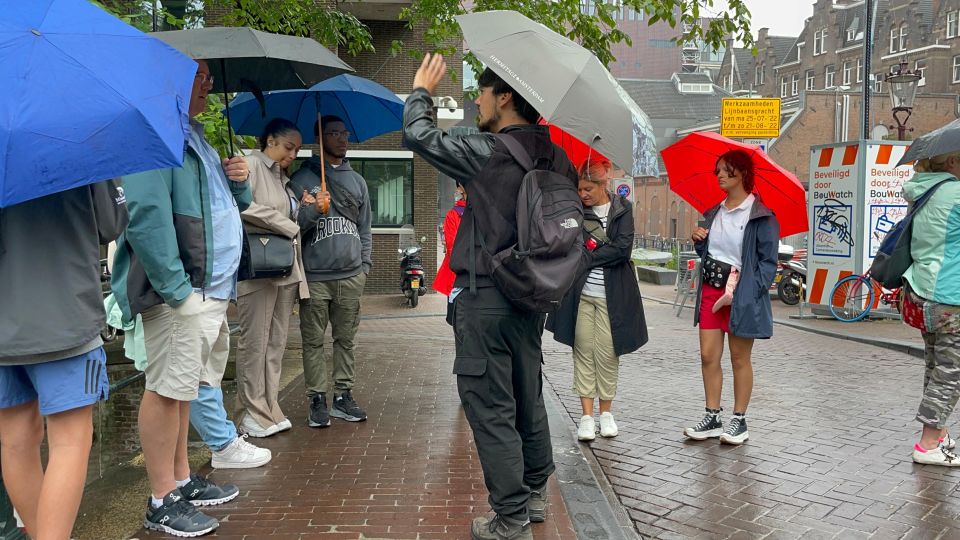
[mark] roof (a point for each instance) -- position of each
(745, 62)
(851, 19)
(785, 49)
(661, 99)
(693, 77)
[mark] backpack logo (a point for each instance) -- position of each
(569, 223)
(264, 240)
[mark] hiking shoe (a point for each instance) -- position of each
(736, 432)
(253, 428)
(319, 416)
(711, 426)
(938, 456)
(346, 408)
(537, 504)
(177, 517)
(202, 492)
(240, 454)
(587, 430)
(500, 528)
(608, 428)
(285, 424)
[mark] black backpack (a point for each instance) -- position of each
(537, 271)
(893, 257)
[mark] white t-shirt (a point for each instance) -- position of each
(726, 232)
(594, 285)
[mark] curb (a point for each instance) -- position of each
(890, 344)
(592, 505)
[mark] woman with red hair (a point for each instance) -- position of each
(740, 236)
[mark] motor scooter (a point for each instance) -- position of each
(413, 281)
(791, 282)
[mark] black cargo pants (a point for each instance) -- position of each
(499, 380)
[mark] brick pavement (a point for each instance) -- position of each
(832, 427)
(409, 472)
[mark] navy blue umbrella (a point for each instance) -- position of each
(84, 97)
(367, 108)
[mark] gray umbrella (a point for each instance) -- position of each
(939, 141)
(246, 59)
(566, 83)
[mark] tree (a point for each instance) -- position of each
(595, 29)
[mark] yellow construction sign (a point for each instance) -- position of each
(750, 117)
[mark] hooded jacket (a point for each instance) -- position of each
(52, 298)
(935, 243)
(751, 315)
(624, 306)
(338, 244)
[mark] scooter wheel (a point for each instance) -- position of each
(414, 299)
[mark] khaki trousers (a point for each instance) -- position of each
(264, 323)
(336, 302)
(595, 365)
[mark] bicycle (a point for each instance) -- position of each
(853, 297)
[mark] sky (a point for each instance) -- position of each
(782, 17)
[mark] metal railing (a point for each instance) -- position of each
(661, 243)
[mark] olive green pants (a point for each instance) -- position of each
(336, 302)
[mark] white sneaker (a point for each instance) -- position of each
(587, 431)
(938, 456)
(285, 424)
(240, 454)
(608, 428)
(253, 428)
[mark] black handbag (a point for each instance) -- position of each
(271, 255)
(715, 273)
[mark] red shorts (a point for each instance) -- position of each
(708, 319)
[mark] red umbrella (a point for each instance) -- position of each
(577, 150)
(690, 164)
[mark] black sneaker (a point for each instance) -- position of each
(346, 408)
(177, 517)
(710, 426)
(537, 504)
(736, 432)
(319, 416)
(202, 492)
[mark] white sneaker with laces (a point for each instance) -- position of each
(948, 442)
(587, 431)
(253, 428)
(938, 456)
(285, 424)
(240, 454)
(608, 428)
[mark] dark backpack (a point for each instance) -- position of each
(537, 271)
(893, 256)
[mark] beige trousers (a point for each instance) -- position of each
(595, 365)
(264, 323)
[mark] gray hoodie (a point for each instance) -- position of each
(51, 301)
(336, 245)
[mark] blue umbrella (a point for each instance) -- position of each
(367, 108)
(85, 97)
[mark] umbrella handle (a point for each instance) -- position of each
(325, 205)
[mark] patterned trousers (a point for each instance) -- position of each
(941, 378)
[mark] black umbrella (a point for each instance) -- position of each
(939, 141)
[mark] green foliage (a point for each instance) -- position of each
(597, 32)
(215, 128)
(304, 18)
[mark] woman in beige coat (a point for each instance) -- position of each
(266, 304)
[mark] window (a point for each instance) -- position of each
(920, 68)
(758, 75)
(390, 183)
(903, 37)
(811, 82)
(726, 81)
(828, 75)
(819, 42)
(859, 69)
(878, 83)
(956, 69)
(847, 71)
(795, 84)
(893, 40)
(851, 34)
(783, 87)
(661, 43)
(952, 24)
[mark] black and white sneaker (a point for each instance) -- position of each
(346, 408)
(319, 416)
(178, 517)
(711, 426)
(202, 492)
(736, 432)
(537, 504)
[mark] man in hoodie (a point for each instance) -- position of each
(336, 259)
(52, 363)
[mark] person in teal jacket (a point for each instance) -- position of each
(933, 281)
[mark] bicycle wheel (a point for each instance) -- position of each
(852, 298)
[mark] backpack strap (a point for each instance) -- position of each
(517, 151)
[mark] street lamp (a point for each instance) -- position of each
(902, 84)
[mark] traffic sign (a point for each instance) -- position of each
(750, 117)
(624, 190)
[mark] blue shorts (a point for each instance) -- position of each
(60, 385)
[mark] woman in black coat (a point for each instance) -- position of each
(602, 315)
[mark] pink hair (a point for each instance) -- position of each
(594, 169)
